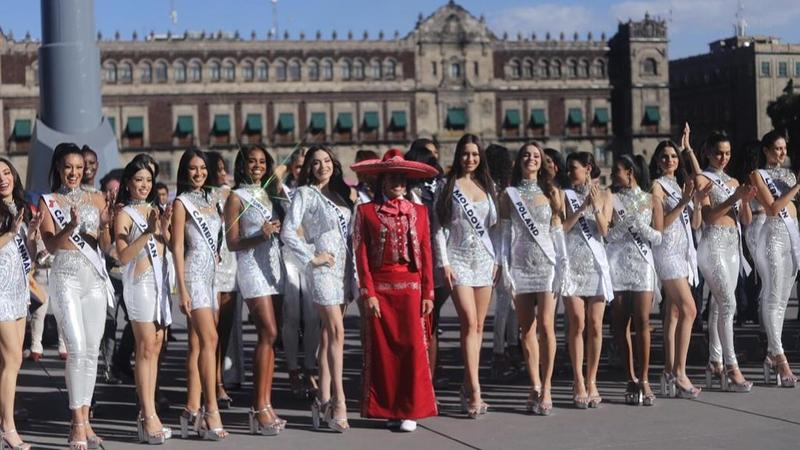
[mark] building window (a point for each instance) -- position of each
(537, 122)
(358, 70)
(456, 119)
(125, 73)
(215, 72)
(649, 67)
(555, 69)
(390, 70)
(583, 69)
(600, 69)
(180, 72)
(516, 70)
(263, 71)
(313, 71)
(765, 69)
(196, 71)
(294, 71)
(280, 71)
(574, 121)
(111, 73)
(247, 71)
(161, 72)
(229, 71)
(797, 69)
(147, 73)
(572, 69)
(376, 69)
(455, 70)
(433, 68)
(528, 69)
(783, 69)
(327, 70)
(346, 70)
(475, 68)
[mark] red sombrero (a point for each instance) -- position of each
(393, 162)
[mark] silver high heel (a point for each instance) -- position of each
(339, 425)
(532, 405)
(667, 382)
(728, 384)
(633, 393)
(211, 434)
(271, 429)
(73, 445)
(319, 411)
(771, 365)
(648, 399)
(189, 419)
(594, 400)
(155, 438)
(5, 445)
(691, 393)
(93, 442)
(714, 370)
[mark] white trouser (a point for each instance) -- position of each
(505, 322)
(718, 260)
(295, 292)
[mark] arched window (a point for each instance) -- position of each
(111, 73)
(572, 68)
(214, 71)
(583, 68)
(377, 69)
(125, 73)
(327, 70)
(247, 71)
(280, 71)
(527, 69)
(649, 67)
(294, 71)
(161, 72)
(390, 69)
(180, 72)
(196, 72)
(600, 68)
(516, 69)
(544, 68)
(313, 71)
(346, 70)
(263, 71)
(147, 73)
(455, 70)
(229, 70)
(358, 70)
(555, 69)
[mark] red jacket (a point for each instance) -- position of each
(376, 248)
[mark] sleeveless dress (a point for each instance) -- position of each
(259, 269)
(200, 261)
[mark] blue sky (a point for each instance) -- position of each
(692, 23)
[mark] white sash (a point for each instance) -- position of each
(344, 227)
(251, 199)
(472, 218)
(794, 233)
(744, 267)
(94, 256)
(641, 244)
(595, 245)
(163, 309)
(687, 227)
(201, 223)
(22, 248)
(530, 225)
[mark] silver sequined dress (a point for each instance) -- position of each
(259, 269)
(530, 268)
(458, 245)
(311, 211)
(200, 262)
(14, 293)
(672, 255)
(584, 274)
(225, 275)
(630, 270)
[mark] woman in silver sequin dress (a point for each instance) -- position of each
(195, 254)
(676, 260)
(469, 259)
(634, 229)
(588, 278)
(531, 265)
(322, 207)
(719, 257)
(146, 292)
(254, 226)
(79, 290)
(777, 248)
(14, 293)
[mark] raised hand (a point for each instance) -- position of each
(688, 191)
(152, 222)
(33, 226)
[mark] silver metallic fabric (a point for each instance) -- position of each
(630, 271)
(259, 270)
(672, 255)
(718, 261)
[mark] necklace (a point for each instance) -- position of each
(199, 197)
(12, 207)
(137, 201)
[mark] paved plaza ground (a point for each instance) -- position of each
(767, 418)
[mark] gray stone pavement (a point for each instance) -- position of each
(767, 418)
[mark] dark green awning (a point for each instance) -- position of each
(575, 116)
(285, 123)
(456, 119)
(222, 124)
(512, 119)
(652, 116)
(371, 121)
(601, 116)
(135, 126)
(184, 126)
(252, 124)
(344, 122)
(22, 129)
(317, 124)
(113, 123)
(398, 121)
(538, 118)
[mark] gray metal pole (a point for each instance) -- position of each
(69, 90)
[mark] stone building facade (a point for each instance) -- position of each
(450, 75)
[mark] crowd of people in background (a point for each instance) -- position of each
(532, 229)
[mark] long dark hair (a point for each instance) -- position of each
(560, 178)
(655, 161)
(544, 177)
(336, 183)
(299, 152)
(17, 196)
(638, 165)
(269, 183)
(137, 164)
(499, 160)
(585, 159)
(149, 160)
(61, 151)
(713, 139)
(214, 158)
(184, 184)
(444, 206)
(767, 141)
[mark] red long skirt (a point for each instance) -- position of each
(397, 379)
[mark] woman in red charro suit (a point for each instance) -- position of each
(395, 272)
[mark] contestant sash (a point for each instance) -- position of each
(158, 265)
(595, 245)
(473, 219)
(687, 228)
(744, 267)
(641, 245)
(201, 223)
(22, 248)
(794, 233)
(94, 256)
(527, 219)
(251, 200)
(344, 227)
